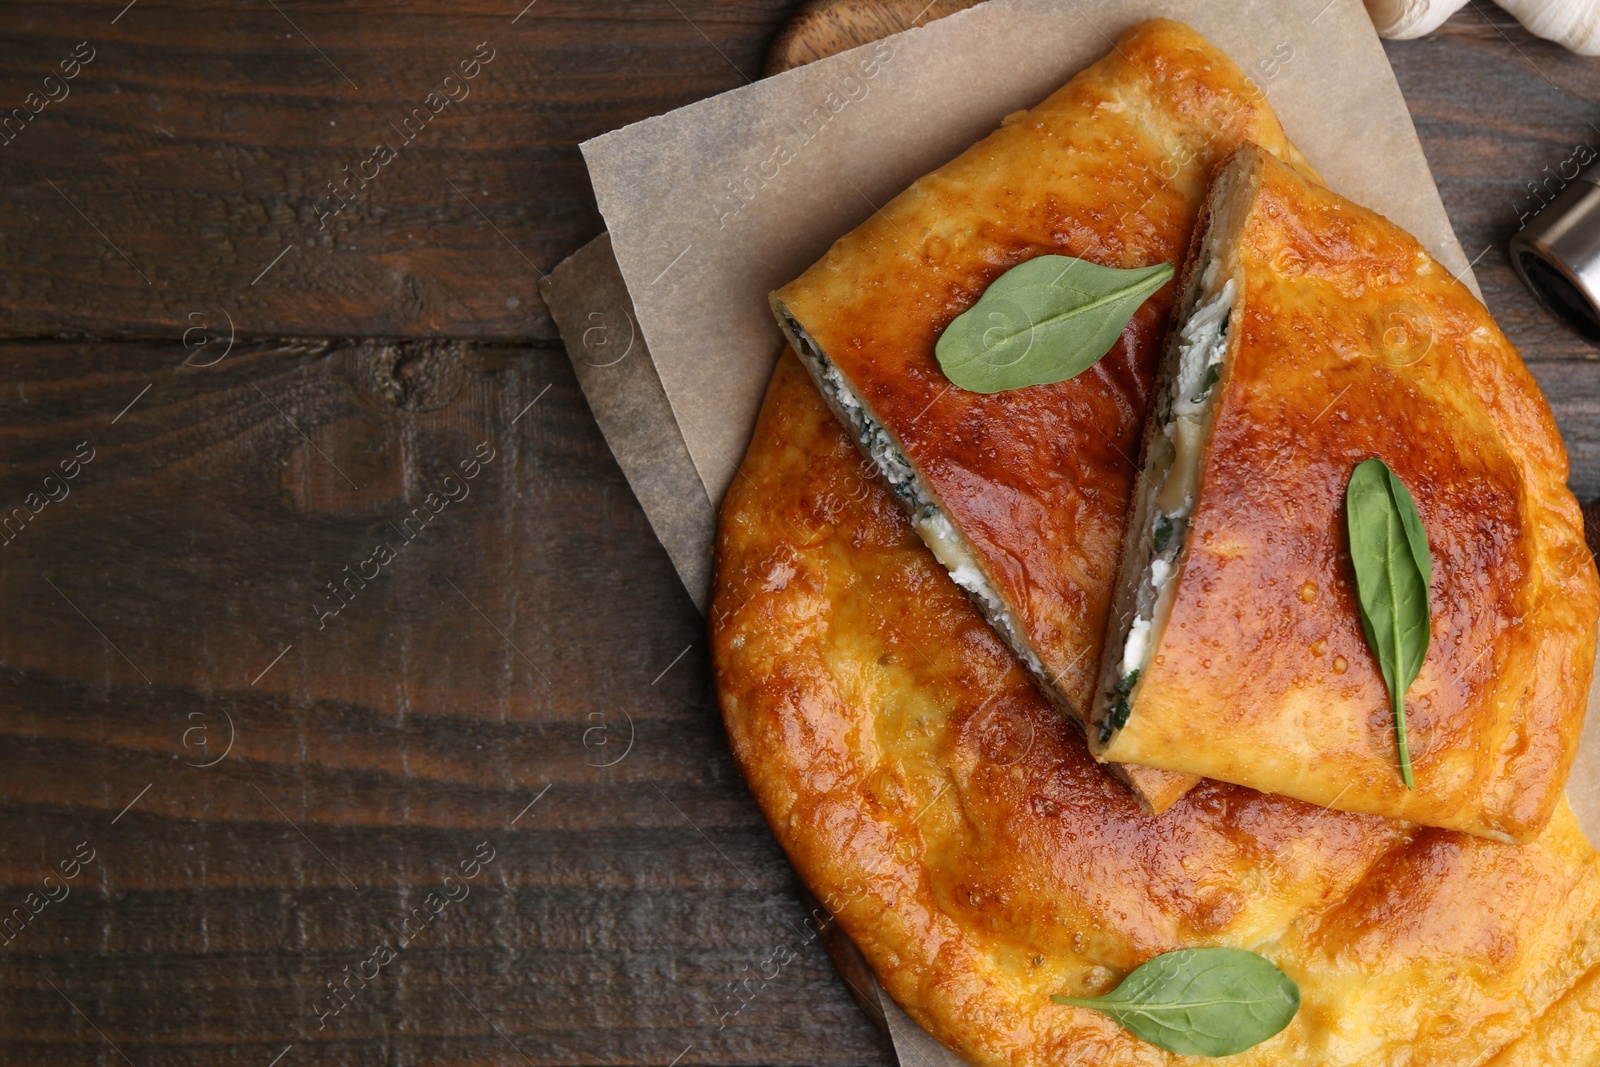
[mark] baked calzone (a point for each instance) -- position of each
(983, 861)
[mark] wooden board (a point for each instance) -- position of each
(514, 644)
(822, 28)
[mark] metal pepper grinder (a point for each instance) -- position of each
(1557, 255)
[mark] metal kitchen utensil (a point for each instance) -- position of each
(1557, 255)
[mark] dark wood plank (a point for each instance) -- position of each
(201, 141)
(530, 621)
(1498, 112)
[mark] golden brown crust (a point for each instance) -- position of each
(1111, 168)
(1347, 342)
(983, 861)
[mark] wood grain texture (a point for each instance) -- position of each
(201, 140)
(516, 642)
(628, 913)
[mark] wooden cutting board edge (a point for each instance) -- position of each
(823, 27)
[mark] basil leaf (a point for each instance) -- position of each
(1389, 549)
(1201, 1001)
(1043, 321)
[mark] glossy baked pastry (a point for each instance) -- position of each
(983, 861)
(1315, 335)
(1022, 494)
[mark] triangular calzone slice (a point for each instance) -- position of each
(1313, 335)
(1022, 494)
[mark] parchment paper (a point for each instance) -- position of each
(590, 303)
(711, 206)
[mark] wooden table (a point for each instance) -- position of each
(277, 704)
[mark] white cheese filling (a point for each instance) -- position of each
(929, 520)
(1172, 472)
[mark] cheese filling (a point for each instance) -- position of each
(927, 517)
(1171, 479)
